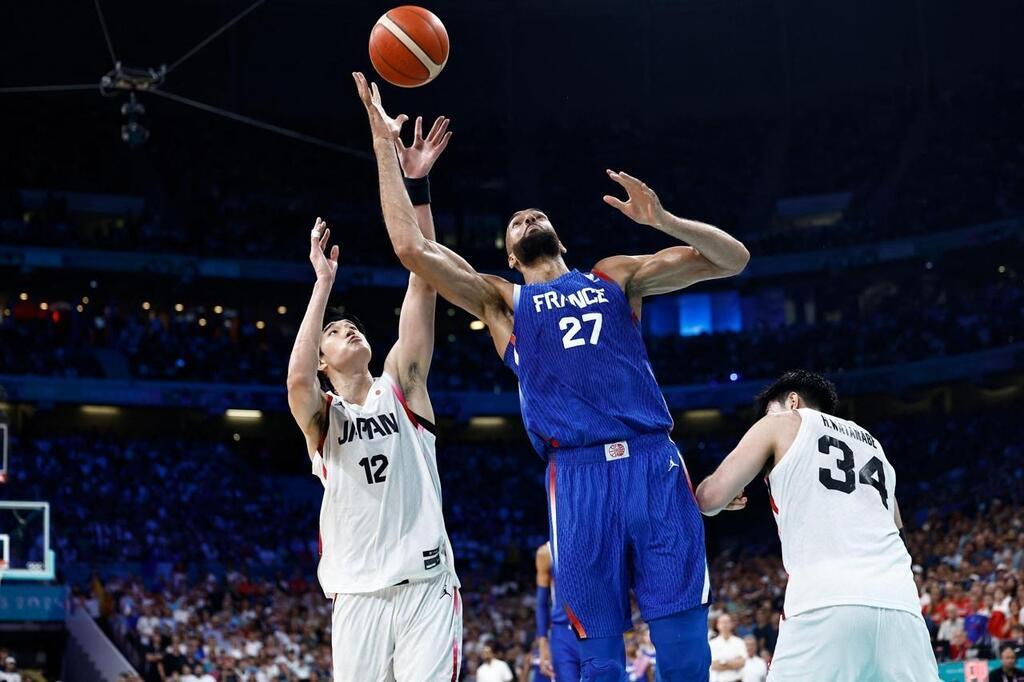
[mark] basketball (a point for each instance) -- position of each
(408, 46)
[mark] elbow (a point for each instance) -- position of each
(297, 382)
(740, 261)
(706, 499)
(409, 254)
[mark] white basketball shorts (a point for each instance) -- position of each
(853, 644)
(406, 633)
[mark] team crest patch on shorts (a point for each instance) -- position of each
(613, 451)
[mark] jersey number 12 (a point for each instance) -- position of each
(375, 475)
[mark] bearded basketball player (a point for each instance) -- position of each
(621, 511)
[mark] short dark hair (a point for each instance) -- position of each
(817, 391)
(337, 314)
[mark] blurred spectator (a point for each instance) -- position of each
(728, 652)
(1008, 670)
(492, 669)
(10, 672)
(755, 668)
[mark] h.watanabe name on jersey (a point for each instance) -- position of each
(847, 429)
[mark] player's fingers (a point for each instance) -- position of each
(612, 201)
(400, 121)
(417, 133)
(444, 142)
(437, 130)
(360, 80)
(628, 182)
(314, 234)
(374, 93)
(630, 179)
(323, 239)
(334, 253)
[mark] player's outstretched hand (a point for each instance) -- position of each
(418, 158)
(642, 204)
(737, 503)
(326, 267)
(382, 126)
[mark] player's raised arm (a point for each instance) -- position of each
(724, 488)
(712, 253)
(485, 296)
(409, 359)
(305, 399)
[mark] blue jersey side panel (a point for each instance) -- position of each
(584, 375)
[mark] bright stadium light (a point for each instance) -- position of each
(101, 410)
(487, 422)
(236, 413)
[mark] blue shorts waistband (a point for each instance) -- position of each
(609, 452)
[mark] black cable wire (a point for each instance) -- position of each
(49, 88)
(216, 33)
(106, 34)
(302, 137)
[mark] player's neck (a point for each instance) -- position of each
(352, 386)
(545, 270)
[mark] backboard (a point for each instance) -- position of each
(25, 541)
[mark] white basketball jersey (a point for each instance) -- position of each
(381, 520)
(833, 494)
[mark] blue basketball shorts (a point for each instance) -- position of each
(565, 652)
(623, 516)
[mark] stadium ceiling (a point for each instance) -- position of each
(123, 79)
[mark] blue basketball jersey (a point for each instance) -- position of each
(584, 375)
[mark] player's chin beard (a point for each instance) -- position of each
(535, 246)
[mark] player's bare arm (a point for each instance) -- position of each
(487, 297)
(542, 562)
(409, 359)
(762, 445)
(712, 253)
(305, 399)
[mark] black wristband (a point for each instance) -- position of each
(418, 189)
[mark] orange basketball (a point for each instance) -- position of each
(408, 46)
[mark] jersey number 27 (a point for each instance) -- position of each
(572, 326)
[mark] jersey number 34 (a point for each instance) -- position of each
(872, 473)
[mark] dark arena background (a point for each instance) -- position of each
(158, 519)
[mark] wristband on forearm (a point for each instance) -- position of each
(418, 189)
(543, 611)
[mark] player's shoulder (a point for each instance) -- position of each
(617, 269)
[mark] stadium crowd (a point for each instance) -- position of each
(228, 588)
(864, 324)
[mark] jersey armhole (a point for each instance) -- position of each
(416, 419)
(326, 424)
(793, 447)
